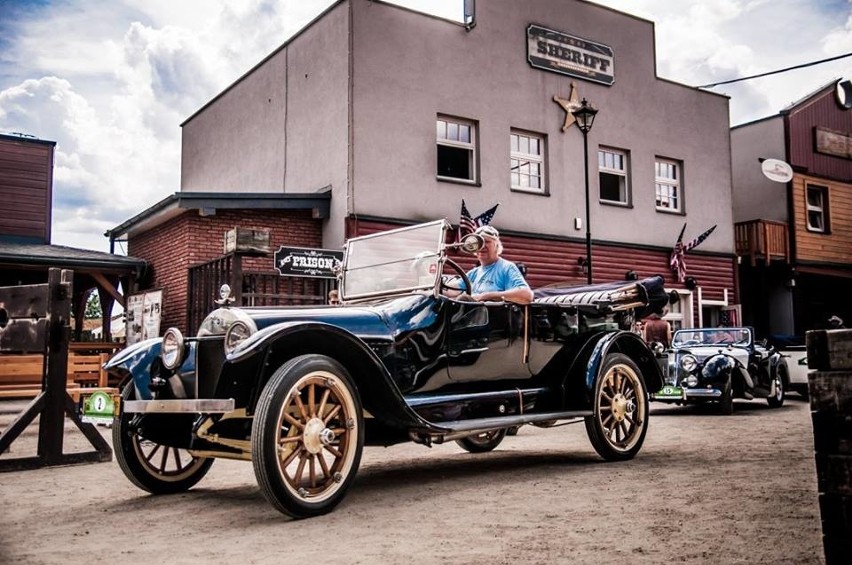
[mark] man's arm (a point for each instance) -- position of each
(519, 295)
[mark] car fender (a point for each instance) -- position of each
(778, 364)
(379, 393)
(140, 362)
(581, 377)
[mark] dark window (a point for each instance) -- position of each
(612, 175)
(456, 149)
(454, 162)
(817, 208)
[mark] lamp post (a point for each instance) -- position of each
(585, 116)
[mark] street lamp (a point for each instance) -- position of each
(585, 116)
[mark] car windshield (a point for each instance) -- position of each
(393, 261)
(712, 336)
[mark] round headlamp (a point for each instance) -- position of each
(172, 349)
(688, 363)
(237, 333)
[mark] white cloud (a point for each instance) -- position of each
(706, 41)
(111, 87)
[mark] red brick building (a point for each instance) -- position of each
(186, 232)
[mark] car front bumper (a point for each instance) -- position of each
(205, 406)
(670, 393)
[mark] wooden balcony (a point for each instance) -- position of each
(762, 240)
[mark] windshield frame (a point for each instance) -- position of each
(394, 262)
(707, 337)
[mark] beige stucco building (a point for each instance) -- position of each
(400, 116)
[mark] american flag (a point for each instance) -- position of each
(468, 224)
(676, 261)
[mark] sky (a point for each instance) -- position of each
(111, 81)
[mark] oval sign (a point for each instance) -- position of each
(777, 170)
(844, 94)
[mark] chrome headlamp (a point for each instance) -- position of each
(238, 332)
(688, 363)
(172, 350)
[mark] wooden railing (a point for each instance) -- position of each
(762, 239)
(248, 288)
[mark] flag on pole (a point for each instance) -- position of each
(468, 224)
(676, 261)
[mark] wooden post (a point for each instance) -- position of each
(830, 392)
(51, 425)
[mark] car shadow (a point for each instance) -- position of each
(373, 478)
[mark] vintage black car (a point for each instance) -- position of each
(720, 364)
(299, 391)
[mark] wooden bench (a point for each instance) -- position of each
(21, 375)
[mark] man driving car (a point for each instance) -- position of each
(495, 278)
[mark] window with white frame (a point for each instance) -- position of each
(817, 208)
(526, 161)
(679, 313)
(668, 189)
(612, 175)
(456, 149)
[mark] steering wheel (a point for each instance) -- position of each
(461, 273)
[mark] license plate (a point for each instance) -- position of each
(673, 392)
(99, 407)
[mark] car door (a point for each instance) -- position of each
(485, 341)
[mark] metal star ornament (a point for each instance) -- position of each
(569, 106)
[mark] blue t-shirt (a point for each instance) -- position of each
(499, 276)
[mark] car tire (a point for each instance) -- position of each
(726, 402)
(483, 442)
(153, 467)
(620, 421)
(777, 401)
(307, 436)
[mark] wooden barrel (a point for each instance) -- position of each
(830, 391)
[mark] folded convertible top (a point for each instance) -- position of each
(646, 296)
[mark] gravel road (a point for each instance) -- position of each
(704, 489)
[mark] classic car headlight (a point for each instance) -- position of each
(172, 350)
(690, 381)
(688, 363)
(238, 332)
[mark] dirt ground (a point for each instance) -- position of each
(704, 489)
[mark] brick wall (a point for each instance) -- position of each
(189, 239)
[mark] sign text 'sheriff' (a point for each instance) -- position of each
(570, 55)
(306, 262)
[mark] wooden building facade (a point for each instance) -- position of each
(26, 181)
(796, 244)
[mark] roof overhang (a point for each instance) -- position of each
(206, 203)
(39, 256)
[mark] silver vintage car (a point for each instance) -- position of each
(720, 364)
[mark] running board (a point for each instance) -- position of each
(485, 424)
